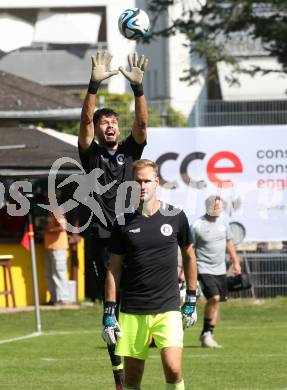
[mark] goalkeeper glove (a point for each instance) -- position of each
(111, 329)
(138, 65)
(100, 70)
(188, 310)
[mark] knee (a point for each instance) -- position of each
(173, 374)
(214, 299)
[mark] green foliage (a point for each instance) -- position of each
(154, 118)
(68, 127)
(175, 118)
(210, 28)
(123, 105)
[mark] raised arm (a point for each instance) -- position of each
(100, 72)
(86, 134)
(138, 65)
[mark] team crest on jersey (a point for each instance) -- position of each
(166, 229)
(138, 230)
(120, 159)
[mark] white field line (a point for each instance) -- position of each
(28, 336)
(51, 333)
(51, 359)
(66, 332)
(156, 356)
(215, 355)
(251, 388)
(250, 328)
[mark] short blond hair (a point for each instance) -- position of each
(144, 163)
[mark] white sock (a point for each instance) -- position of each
(175, 386)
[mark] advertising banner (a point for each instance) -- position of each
(246, 166)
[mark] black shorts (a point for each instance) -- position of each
(212, 285)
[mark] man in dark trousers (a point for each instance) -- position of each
(144, 258)
(112, 157)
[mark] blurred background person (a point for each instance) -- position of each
(211, 237)
(56, 245)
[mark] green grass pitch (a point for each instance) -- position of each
(71, 355)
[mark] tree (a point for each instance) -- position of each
(209, 26)
(123, 105)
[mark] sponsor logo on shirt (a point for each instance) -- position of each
(120, 159)
(138, 230)
(166, 229)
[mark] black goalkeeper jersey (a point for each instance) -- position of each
(116, 167)
(150, 247)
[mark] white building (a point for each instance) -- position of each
(51, 42)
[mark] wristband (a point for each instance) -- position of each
(137, 89)
(190, 296)
(110, 308)
(93, 87)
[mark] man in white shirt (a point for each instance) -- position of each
(211, 236)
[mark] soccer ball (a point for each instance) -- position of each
(134, 23)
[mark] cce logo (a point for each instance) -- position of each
(214, 167)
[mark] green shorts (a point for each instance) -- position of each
(137, 330)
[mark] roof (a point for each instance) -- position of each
(30, 151)
(67, 138)
(19, 94)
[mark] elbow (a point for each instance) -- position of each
(86, 119)
(84, 142)
(142, 124)
(142, 129)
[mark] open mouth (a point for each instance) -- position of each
(110, 134)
